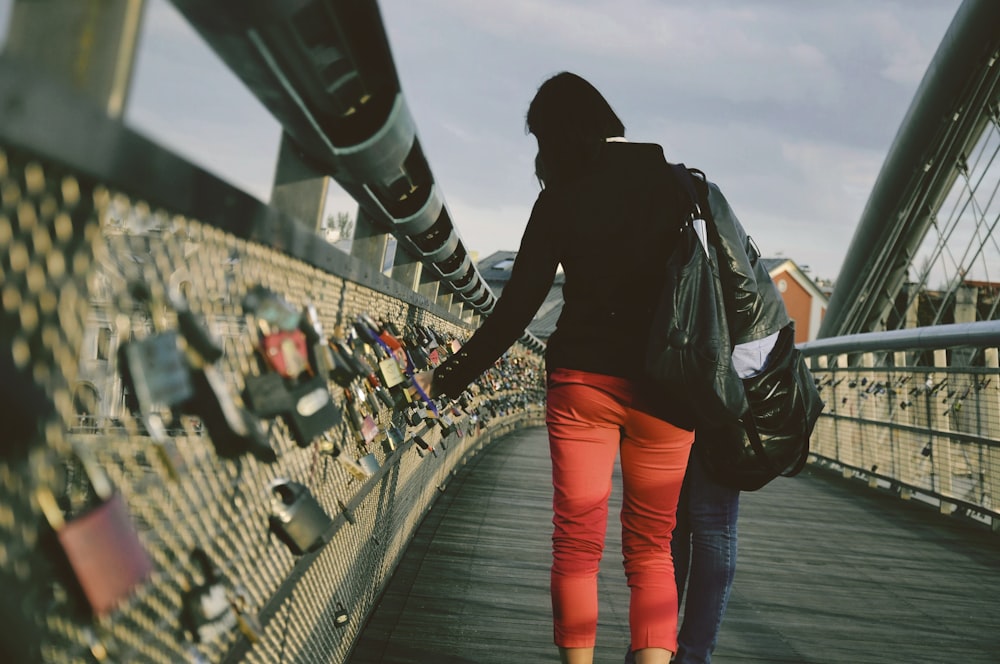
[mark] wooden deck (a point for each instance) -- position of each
(829, 572)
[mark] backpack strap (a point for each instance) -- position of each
(694, 183)
(686, 181)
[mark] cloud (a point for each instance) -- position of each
(791, 106)
(485, 229)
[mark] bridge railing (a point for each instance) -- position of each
(916, 411)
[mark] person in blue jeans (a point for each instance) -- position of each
(704, 548)
(704, 542)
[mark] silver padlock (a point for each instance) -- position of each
(156, 376)
(296, 517)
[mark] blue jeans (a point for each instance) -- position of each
(704, 549)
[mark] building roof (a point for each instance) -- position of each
(792, 268)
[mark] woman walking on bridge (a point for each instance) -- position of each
(605, 213)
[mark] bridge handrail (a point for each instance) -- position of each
(980, 333)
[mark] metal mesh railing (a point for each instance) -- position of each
(87, 270)
(924, 422)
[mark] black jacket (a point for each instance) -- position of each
(611, 229)
(754, 307)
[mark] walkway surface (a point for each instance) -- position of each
(829, 572)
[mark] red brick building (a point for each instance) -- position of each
(805, 302)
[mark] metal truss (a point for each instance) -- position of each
(924, 252)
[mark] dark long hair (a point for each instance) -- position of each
(570, 119)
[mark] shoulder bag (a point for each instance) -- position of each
(689, 354)
(772, 438)
(748, 431)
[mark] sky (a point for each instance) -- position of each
(790, 106)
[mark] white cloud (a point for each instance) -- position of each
(485, 229)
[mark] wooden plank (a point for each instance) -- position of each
(829, 572)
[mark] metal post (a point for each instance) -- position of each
(429, 285)
(299, 190)
(370, 241)
(941, 456)
(406, 269)
(991, 461)
(88, 44)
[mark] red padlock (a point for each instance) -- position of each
(102, 546)
(286, 352)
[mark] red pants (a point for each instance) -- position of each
(591, 417)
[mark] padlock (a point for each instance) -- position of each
(233, 430)
(394, 437)
(340, 616)
(341, 371)
(197, 335)
(323, 356)
(369, 429)
(156, 375)
(413, 415)
(267, 395)
(101, 545)
(327, 363)
(367, 370)
(385, 396)
(367, 401)
(286, 352)
(369, 336)
(424, 446)
(296, 517)
(390, 372)
(418, 357)
(314, 412)
(394, 344)
(354, 466)
(391, 328)
(206, 612)
(347, 354)
(369, 463)
(271, 308)
(448, 426)
(427, 337)
(355, 416)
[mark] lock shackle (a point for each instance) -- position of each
(285, 489)
(208, 570)
(284, 494)
(98, 479)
